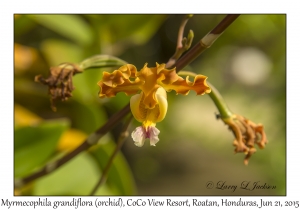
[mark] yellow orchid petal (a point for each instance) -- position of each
(117, 77)
(167, 76)
(118, 81)
(160, 67)
(161, 96)
(129, 70)
(138, 110)
(183, 86)
(150, 100)
(149, 80)
(149, 116)
(127, 87)
(113, 79)
(149, 76)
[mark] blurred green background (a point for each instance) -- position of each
(247, 64)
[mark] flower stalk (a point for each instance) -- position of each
(101, 61)
(183, 43)
(219, 102)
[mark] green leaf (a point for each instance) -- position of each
(86, 88)
(137, 28)
(119, 178)
(59, 51)
(148, 29)
(89, 116)
(34, 145)
(71, 26)
(77, 177)
(22, 24)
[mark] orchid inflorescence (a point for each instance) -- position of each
(149, 87)
(148, 103)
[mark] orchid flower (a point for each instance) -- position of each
(149, 104)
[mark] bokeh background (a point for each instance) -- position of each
(247, 64)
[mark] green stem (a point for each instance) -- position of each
(219, 102)
(101, 61)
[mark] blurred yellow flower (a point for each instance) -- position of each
(150, 105)
(24, 117)
(71, 139)
(24, 57)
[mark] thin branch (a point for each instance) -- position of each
(94, 138)
(205, 42)
(183, 43)
(122, 137)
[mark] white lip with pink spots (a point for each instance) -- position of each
(140, 134)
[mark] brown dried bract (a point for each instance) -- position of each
(247, 134)
(60, 82)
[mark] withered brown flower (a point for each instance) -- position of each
(60, 82)
(247, 134)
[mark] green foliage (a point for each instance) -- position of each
(137, 29)
(70, 26)
(56, 50)
(77, 177)
(120, 179)
(34, 145)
